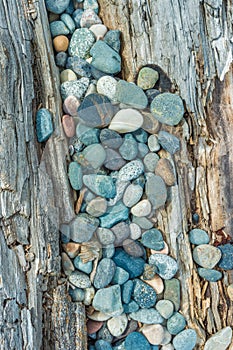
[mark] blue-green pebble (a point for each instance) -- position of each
(134, 266)
(130, 94)
(153, 239)
(84, 267)
(101, 185)
(198, 236)
(185, 340)
(58, 28)
(87, 135)
(80, 66)
(108, 300)
(226, 261)
(77, 294)
(44, 125)
(137, 341)
(169, 142)
(127, 290)
(99, 52)
(115, 214)
(176, 323)
(131, 307)
(112, 38)
(104, 273)
(69, 22)
(102, 345)
(129, 149)
(77, 15)
(75, 175)
(56, 6)
(147, 316)
(166, 265)
(209, 274)
(120, 276)
(143, 294)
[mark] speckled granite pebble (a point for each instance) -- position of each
(81, 43)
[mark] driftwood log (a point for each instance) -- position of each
(191, 42)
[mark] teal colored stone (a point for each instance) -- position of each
(105, 58)
(172, 292)
(165, 308)
(143, 294)
(102, 185)
(120, 276)
(104, 273)
(77, 15)
(156, 190)
(108, 301)
(129, 149)
(176, 323)
(169, 142)
(137, 341)
(114, 215)
(144, 223)
(142, 150)
(130, 94)
(166, 265)
(56, 6)
(79, 66)
(94, 155)
(112, 38)
(134, 266)
(226, 261)
(61, 58)
(84, 267)
(44, 125)
(167, 108)
(81, 43)
(209, 275)
(87, 135)
(150, 161)
(131, 307)
(80, 279)
(126, 291)
(185, 340)
(68, 21)
(198, 236)
(70, 9)
(77, 294)
(147, 316)
(75, 176)
(102, 345)
(91, 4)
(58, 28)
(83, 227)
(153, 239)
(140, 135)
(108, 251)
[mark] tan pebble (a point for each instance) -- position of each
(230, 291)
(142, 208)
(89, 295)
(99, 30)
(165, 170)
(72, 249)
(156, 283)
(93, 326)
(153, 333)
(68, 125)
(165, 250)
(150, 124)
(67, 265)
(60, 43)
(67, 75)
(71, 105)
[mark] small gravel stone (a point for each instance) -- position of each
(165, 170)
(99, 52)
(129, 148)
(89, 18)
(98, 316)
(167, 347)
(69, 22)
(143, 294)
(104, 273)
(131, 94)
(61, 43)
(65, 233)
(77, 15)
(81, 43)
(112, 38)
(68, 125)
(134, 266)
(209, 275)
(226, 261)
(150, 124)
(142, 150)
(206, 255)
(105, 236)
(140, 135)
(165, 250)
(165, 308)
(44, 124)
(83, 227)
(79, 66)
(60, 59)
(142, 208)
(67, 265)
(56, 6)
(147, 78)
(113, 160)
(167, 337)
(186, 340)
(80, 280)
(172, 292)
(101, 185)
(91, 4)
(126, 120)
(153, 143)
(120, 276)
(149, 272)
(110, 138)
(84, 267)
(75, 175)
(137, 341)
(135, 231)
(58, 28)
(167, 266)
(132, 195)
(156, 190)
(75, 88)
(131, 307)
(198, 236)
(169, 142)
(167, 108)
(115, 215)
(143, 222)
(106, 85)
(131, 170)
(153, 333)
(150, 161)
(108, 251)
(117, 325)
(176, 323)
(133, 248)
(127, 290)
(153, 239)
(70, 105)
(108, 300)
(94, 155)
(121, 232)
(147, 316)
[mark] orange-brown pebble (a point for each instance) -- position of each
(93, 326)
(156, 283)
(60, 43)
(68, 125)
(165, 250)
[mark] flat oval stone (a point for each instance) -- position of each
(220, 340)
(56, 6)
(150, 161)
(132, 195)
(126, 120)
(99, 30)
(121, 232)
(127, 290)
(102, 345)
(137, 341)
(69, 22)
(61, 43)
(75, 88)
(133, 248)
(84, 267)
(209, 275)
(104, 273)
(147, 78)
(120, 276)
(167, 266)
(129, 148)
(131, 170)
(99, 52)
(153, 333)
(67, 75)
(112, 38)
(83, 227)
(75, 176)
(176, 323)
(186, 340)
(142, 150)
(135, 231)
(156, 190)
(131, 94)
(165, 308)
(106, 85)
(68, 125)
(58, 28)
(70, 105)
(142, 208)
(96, 110)
(108, 300)
(113, 160)
(153, 143)
(114, 215)
(167, 108)
(117, 325)
(172, 292)
(206, 255)
(165, 170)
(153, 239)
(147, 316)
(81, 43)
(169, 142)
(143, 294)
(110, 138)
(80, 279)
(89, 17)
(134, 266)
(60, 59)
(105, 236)
(102, 185)
(44, 125)
(226, 261)
(95, 155)
(88, 136)
(150, 124)
(198, 236)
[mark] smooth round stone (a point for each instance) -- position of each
(230, 291)
(84, 267)
(102, 345)
(153, 239)
(206, 255)
(127, 290)
(186, 340)
(198, 236)
(131, 94)
(126, 120)
(67, 265)
(137, 341)
(153, 333)
(143, 294)
(167, 108)
(133, 248)
(134, 266)
(156, 190)
(226, 261)
(131, 307)
(99, 52)
(150, 124)
(99, 30)
(165, 170)
(147, 78)
(81, 43)
(77, 15)
(77, 294)
(117, 325)
(112, 38)
(110, 138)
(105, 236)
(135, 231)
(104, 273)
(60, 43)
(131, 170)
(96, 111)
(69, 22)
(153, 143)
(68, 125)
(209, 275)
(58, 28)
(72, 249)
(167, 266)
(89, 295)
(142, 150)
(120, 276)
(151, 161)
(142, 208)
(99, 316)
(169, 142)
(89, 17)
(67, 75)
(165, 308)
(129, 148)
(143, 222)
(147, 316)
(79, 66)
(44, 124)
(83, 227)
(108, 300)
(60, 59)
(70, 105)
(106, 85)
(95, 155)
(165, 250)
(176, 323)
(220, 340)
(102, 185)
(80, 280)
(121, 232)
(75, 88)
(172, 292)
(114, 215)
(88, 136)
(56, 6)
(132, 195)
(93, 326)
(156, 283)
(75, 176)
(113, 160)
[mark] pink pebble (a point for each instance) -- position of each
(93, 326)
(68, 125)
(71, 105)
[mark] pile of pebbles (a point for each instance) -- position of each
(115, 258)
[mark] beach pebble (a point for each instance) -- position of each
(131, 94)
(230, 291)
(77, 15)
(60, 43)
(68, 125)
(93, 326)
(75, 175)
(106, 85)
(83, 227)
(126, 120)
(135, 231)
(150, 124)
(117, 325)
(108, 300)
(112, 38)
(114, 215)
(75, 88)
(153, 143)
(102, 185)
(176, 323)
(89, 18)
(209, 275)
(68, 21)
(60, 59)
(172, 292)
(167, 108)
(99, 30)
(198, 236)
(102, 345)
(147, 316)
(120, 277)
(104, 273)
(56, 6)
(167, 266)
(67, 75)
(70, 105)
(165, 308)
(58, 28)
(84, 267)
(129, 148)
(99, 52)
(186, 340)
(133, 248)
(81, 43)
(153, 239)
(137, 341)
(153, 333)
(80, 280)
(226, 261)
(44, 124)
(94, 155)
(79, 66)
(113, 160)
(165, 170)
(206, 255)
(67, 264)
(110, 138)
(132, 195)
(147, 78)
(156, 283)
(156, 190)
(165, 250)
(143, 294)
(142, 208)
(150, 161)
(169, 142)
(131, 170)
(91, 4)
(134, 266)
